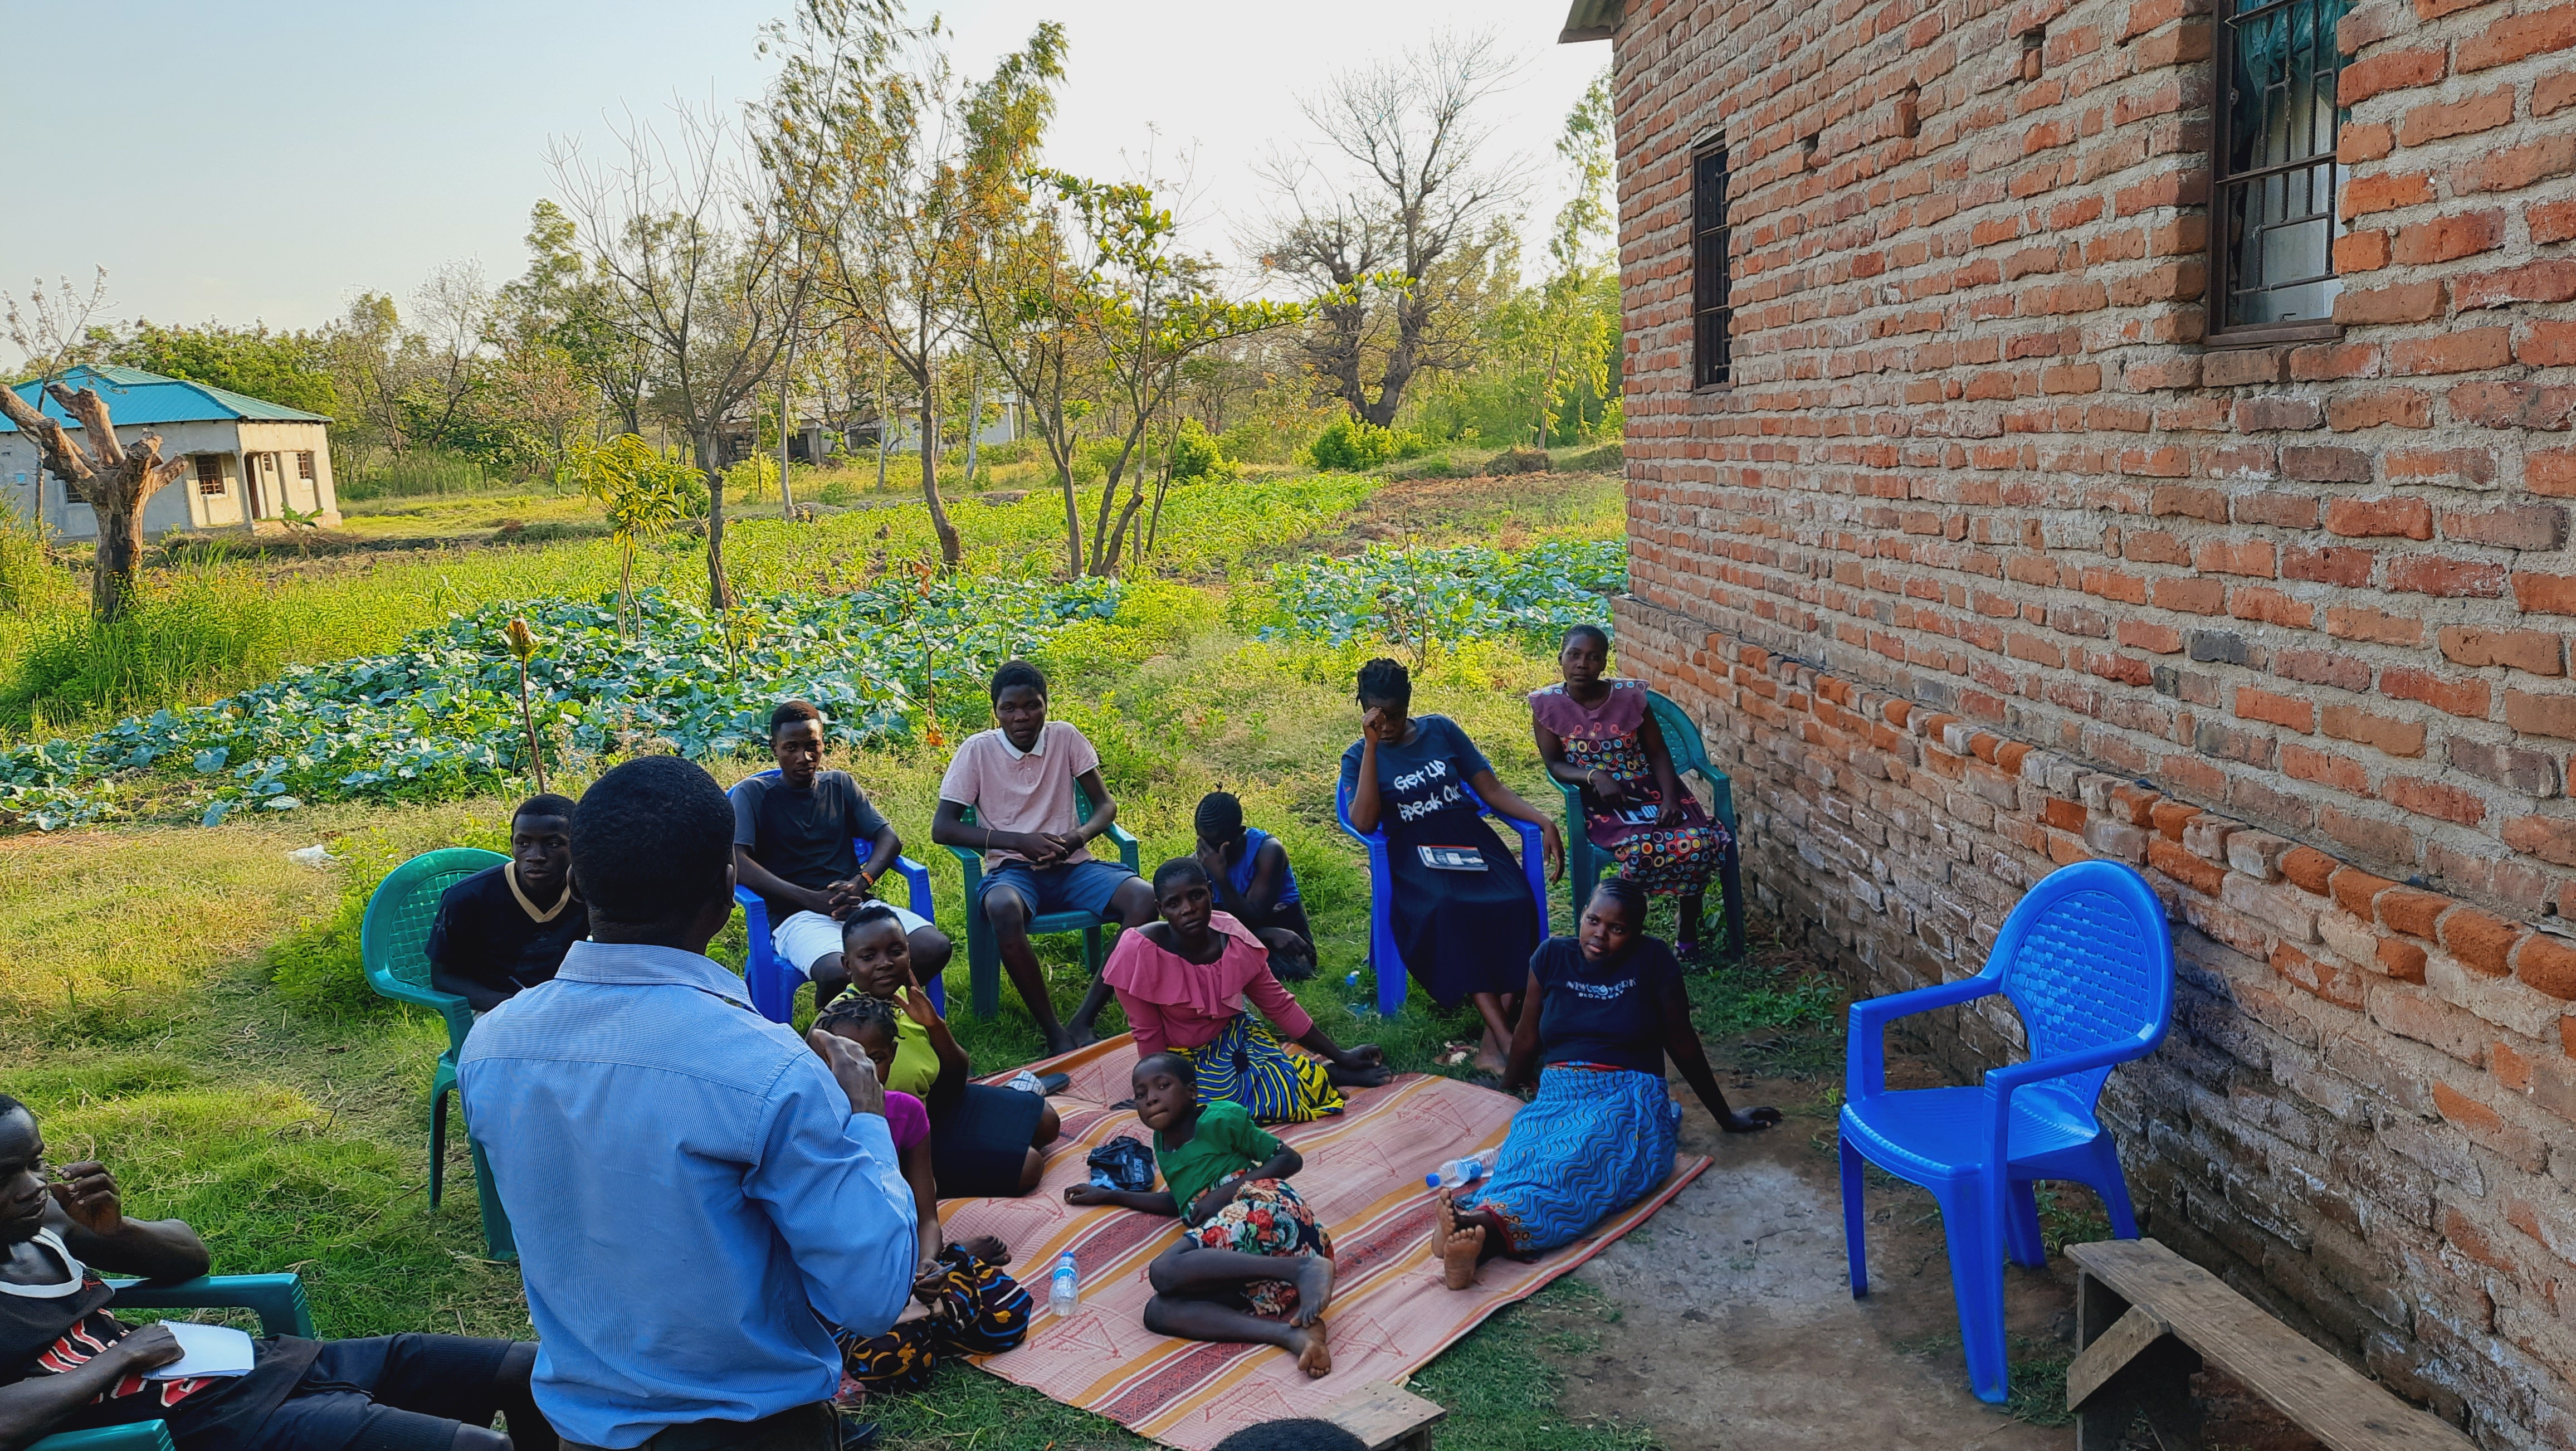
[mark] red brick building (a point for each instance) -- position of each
(2106, 427)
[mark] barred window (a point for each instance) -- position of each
(210, 474)
(304, 465)
(1711, 348)
(2272, 154)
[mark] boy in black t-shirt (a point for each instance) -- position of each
(506, 928)
(795, 839)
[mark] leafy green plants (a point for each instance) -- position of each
(1415, 596)
(645, 495)
(1351, 445)
(440, 717)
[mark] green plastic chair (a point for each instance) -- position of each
(1690, 753)
(392, 943)
(984, 952)
(279, 1300)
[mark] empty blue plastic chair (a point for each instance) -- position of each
(773, 983)
(984, 950)
(278, 1299)
(1682, 739)
(393, 942)
(2087, 962)
(1386, 963)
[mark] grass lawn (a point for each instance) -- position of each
(182, 1001)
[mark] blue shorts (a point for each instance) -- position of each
(1084, 887)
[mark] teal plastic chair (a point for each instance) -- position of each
(278, 1299)
(1583, 861)
(392, 943)
(984, 952)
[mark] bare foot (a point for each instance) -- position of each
(1314, 1355)
(1060, 1042)
(1444, 1222)
(1313, 1277)
(1079, 1036)
(1459, 1256)
(989, 1249)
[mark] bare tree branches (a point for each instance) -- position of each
(1370, 246)
(683, 231)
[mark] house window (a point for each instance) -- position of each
(304, 466)
(210, 474)
(1711, 349)
(2272, 155)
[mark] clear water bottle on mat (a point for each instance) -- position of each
(1064, 1287)
(1455, 1172)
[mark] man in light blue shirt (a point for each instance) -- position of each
(689, 1183)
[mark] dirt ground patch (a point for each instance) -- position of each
(1736, 1325)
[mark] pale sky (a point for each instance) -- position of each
(268, 159)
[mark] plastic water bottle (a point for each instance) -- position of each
(1064, 1287)
(1456, 1172)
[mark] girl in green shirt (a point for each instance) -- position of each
(1226, 1179)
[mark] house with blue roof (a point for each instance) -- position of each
(250, 462)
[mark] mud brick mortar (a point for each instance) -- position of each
(1985, 560)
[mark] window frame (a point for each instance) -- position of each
(304, 464)
(2216, 333)
(210, 471)
(1706, 241)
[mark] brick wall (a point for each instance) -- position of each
(1985, 562)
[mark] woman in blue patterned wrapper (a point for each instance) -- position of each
(1605, 1007)
(1464, 921)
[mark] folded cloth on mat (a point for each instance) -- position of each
(1390, 1314)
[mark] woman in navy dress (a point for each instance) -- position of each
(1464, 919)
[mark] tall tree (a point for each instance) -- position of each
(288, 368)
(684, 233)
(1371, 246)
(559, 300)
(1027, 301)
(1148, 307)
(888, 164)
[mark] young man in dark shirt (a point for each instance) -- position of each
(506, 928)
(795, 842)
(68, 1365)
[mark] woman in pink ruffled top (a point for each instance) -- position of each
(1184, 981)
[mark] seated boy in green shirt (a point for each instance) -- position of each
(1227, 1181)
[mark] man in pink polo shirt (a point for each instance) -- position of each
(1019, 780)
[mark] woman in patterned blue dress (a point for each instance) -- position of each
(1599, 1136)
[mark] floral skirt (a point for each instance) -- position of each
(979, 1311)
(1265, 1218)
(1248, 1063)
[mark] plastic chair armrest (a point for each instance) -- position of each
(755, 914)
(1126, 844)
(458, 1012)
(279, 1299)
(918, 876)
(2101, 1055)
(1865, 1054)
(133, 1436)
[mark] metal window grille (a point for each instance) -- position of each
(2273, 221)
(210, 474)
(1712, 350)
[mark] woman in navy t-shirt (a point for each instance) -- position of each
(1464, 919)
(1606, 1006)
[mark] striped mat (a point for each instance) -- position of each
(1390, 1314)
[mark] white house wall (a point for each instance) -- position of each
(180, 504)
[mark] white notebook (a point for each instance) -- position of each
(212, 1350)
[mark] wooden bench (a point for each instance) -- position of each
(1386, 1417)
(2147, 1319)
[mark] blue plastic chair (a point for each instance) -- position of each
(1583, 861)
(2086, 960)
(1386, 963)
(393, 940)
(278, 1300)
(984, 950)
(773, 983)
